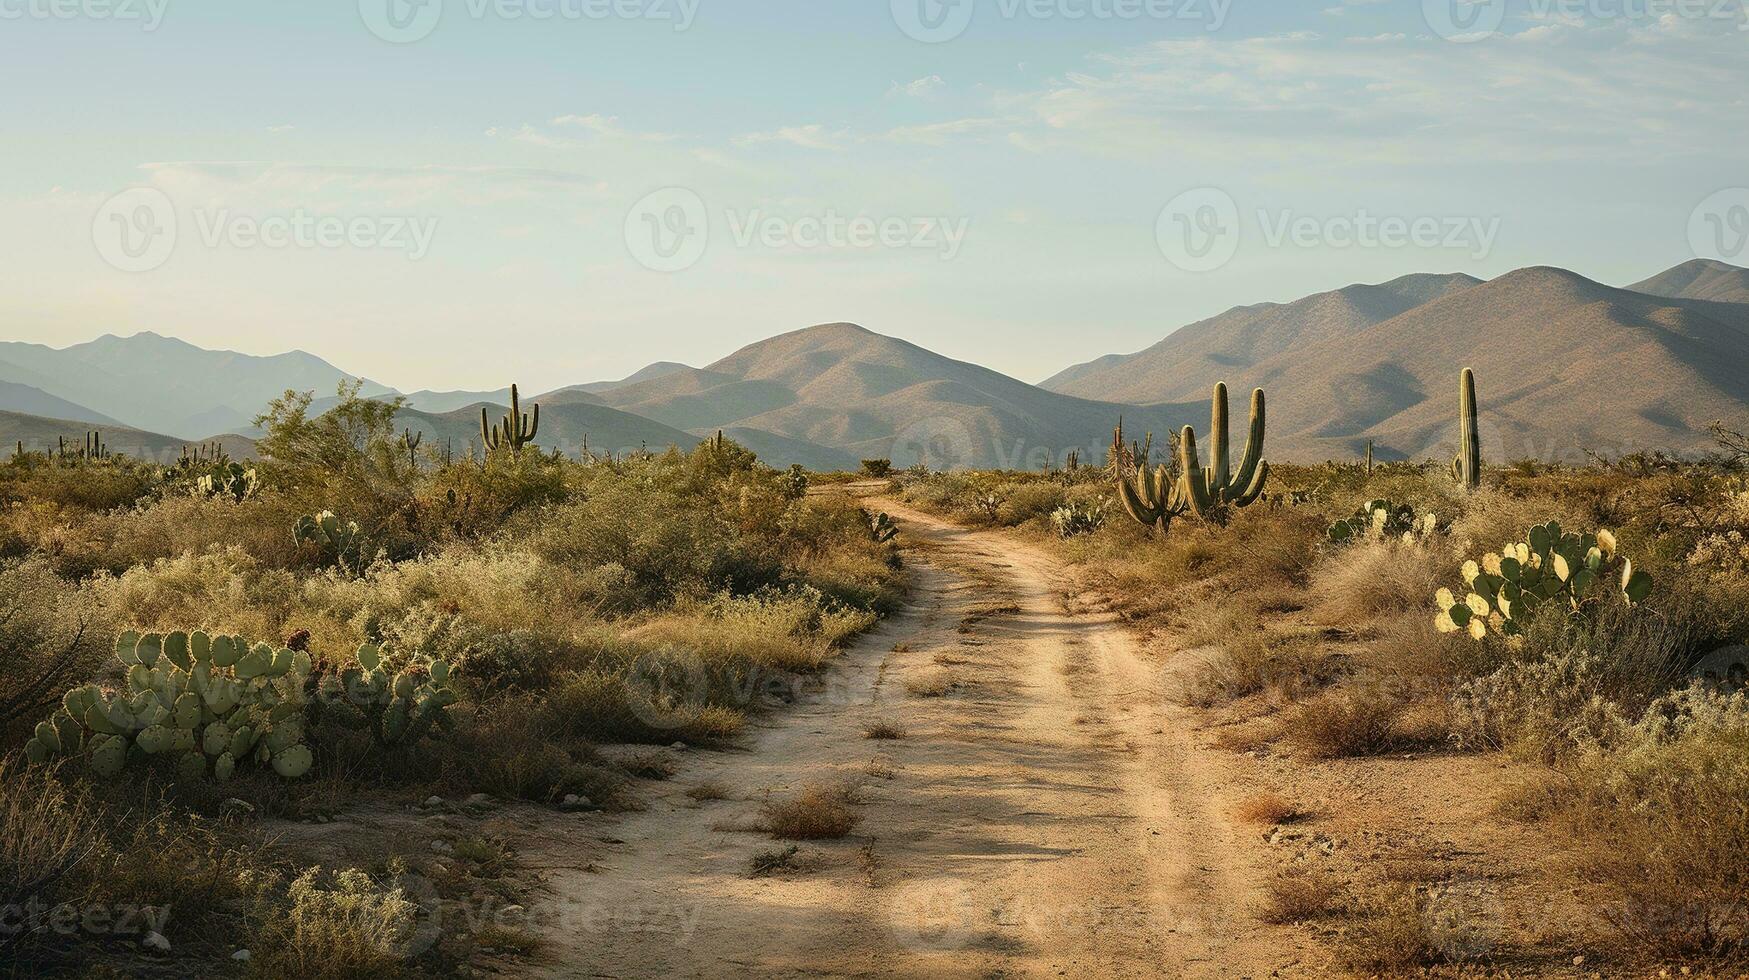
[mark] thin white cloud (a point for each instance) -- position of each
(810, 137)
(921, 88)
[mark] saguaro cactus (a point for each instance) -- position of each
(1151, 498)
(1210, 490)
(1466, 469)
(410, 441)
(514, 431)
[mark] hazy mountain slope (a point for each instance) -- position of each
(26, 400)
(1563, 364)
(647, 373)
(562, 427)
(438, 402)
(1705, 279)
(167, 385)
(40, 434)
(1180, 366)
(868, 395)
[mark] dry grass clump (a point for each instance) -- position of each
(1297, 895)
(883, 729)
(819, 812)
(1357, 585)
(1343, 723)
(772, 861)
(1288, 665)
(1401, 929)
(708, 790)
(937, 683)
(1267, 807)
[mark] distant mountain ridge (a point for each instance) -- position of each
(1179, 366)
(1705, 279)
(162, 384)
(1564, 364)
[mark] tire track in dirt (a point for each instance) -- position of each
(1046, 813)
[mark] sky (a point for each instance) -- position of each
(457, 194)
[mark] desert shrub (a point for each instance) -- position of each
(1030, 501)
(818, 812)
(1339, 724)
(1374, 578)
(1297, 895)
(1403, 928)
(223, 590)
(52, 633)
(1257, 662)
(877, 467)
(1663, 810)
(339, 925)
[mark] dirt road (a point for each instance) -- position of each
(1047, 811)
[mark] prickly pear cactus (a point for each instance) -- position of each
(230, 481)
(398, 708)
(883, 529)
(339, 541)
(1549, 566)
(188, 697)
(1382, 520)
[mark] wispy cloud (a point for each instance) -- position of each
(921, 88)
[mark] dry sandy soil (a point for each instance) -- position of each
(1047, 812)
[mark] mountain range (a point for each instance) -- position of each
(1564, 365)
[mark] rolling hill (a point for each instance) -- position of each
(41, 434)
(563, 426)
(1700, 279)
(26, 400)
(865, 395)
(1188, 362)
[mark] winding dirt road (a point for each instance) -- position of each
(1047, 812)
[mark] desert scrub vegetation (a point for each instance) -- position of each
(192, 649)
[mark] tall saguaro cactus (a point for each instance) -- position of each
(514, 431)
(1466, 469)
(1210, 490)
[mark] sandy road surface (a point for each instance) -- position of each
(1047, 813)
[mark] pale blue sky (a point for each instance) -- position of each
(1581, 134)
